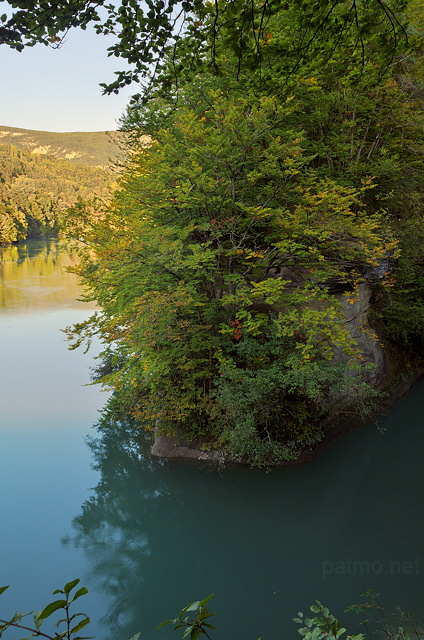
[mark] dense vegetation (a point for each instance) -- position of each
(268, 191)
(37, 190)
(144, 34)
(284, 179)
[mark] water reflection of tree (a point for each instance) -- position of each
(33, 274)
(48, 248)
(158, 535)
(114, 524)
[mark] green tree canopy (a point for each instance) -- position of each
(146, 33)
(268, 190)
(214, 270)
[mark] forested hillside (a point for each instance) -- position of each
(36, 190)
(96, 149)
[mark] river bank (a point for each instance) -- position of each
(334, 428)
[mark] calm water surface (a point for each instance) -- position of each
(146, 537)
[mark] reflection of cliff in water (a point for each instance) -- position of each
(33, 275)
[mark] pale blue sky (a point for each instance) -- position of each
(58, 90)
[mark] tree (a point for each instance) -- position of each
(218, 264)
(214, 269)
(145, 35)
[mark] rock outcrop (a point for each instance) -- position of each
(171, 447)
(356, 314)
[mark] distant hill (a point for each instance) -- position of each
(96, 149)
(37, 191)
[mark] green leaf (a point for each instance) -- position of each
(3, 589)
(70, 585)
(316, 633)
(80, 625)
(162, 624)
(206, 600)
(204, 615)
(79, 593)
(51, 608)
(196, 633)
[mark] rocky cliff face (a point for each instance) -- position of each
(171, 447)
(357, 323)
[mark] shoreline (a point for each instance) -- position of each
(170, 448)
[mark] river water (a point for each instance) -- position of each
(147, 537)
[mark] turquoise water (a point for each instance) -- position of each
(145, 536)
